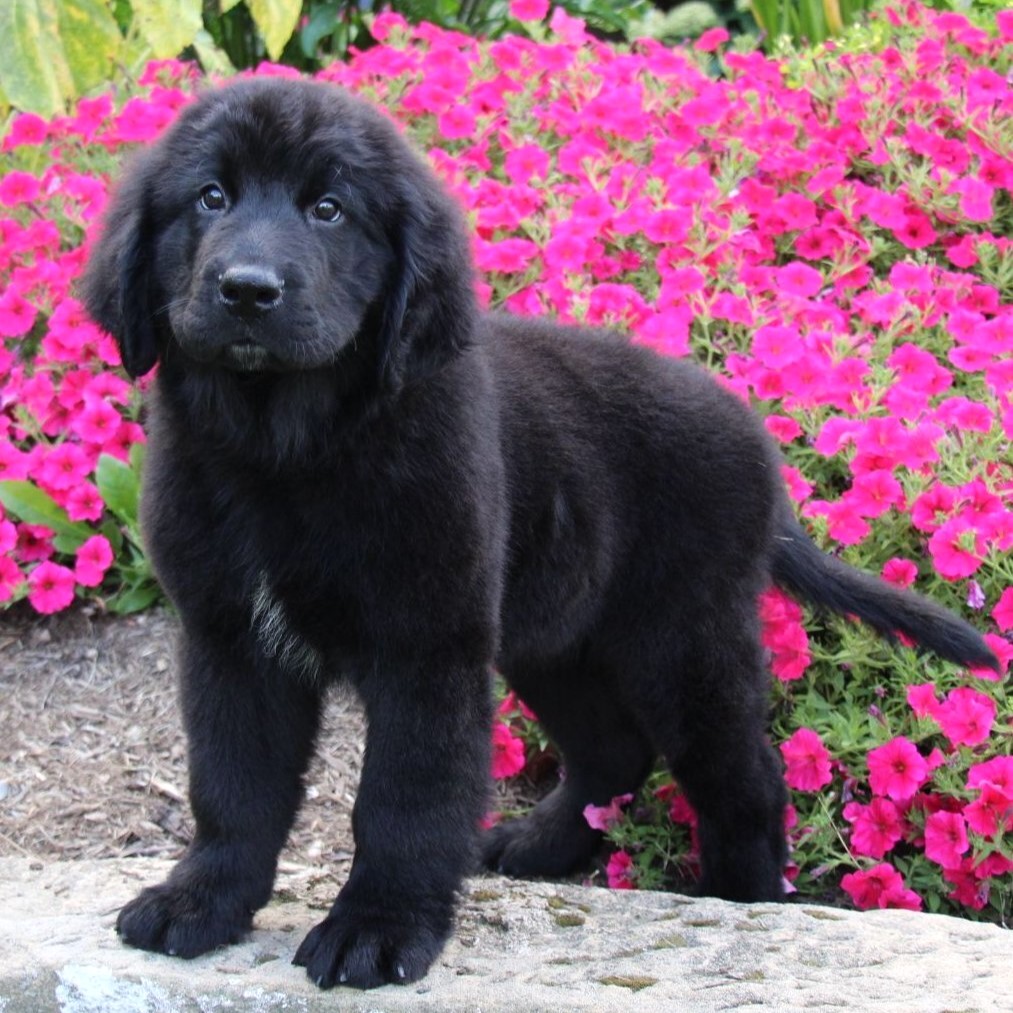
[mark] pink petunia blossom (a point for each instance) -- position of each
(897, 769)
(946, 838)
(50, 587)
(529, 10)
(966, 716)
(899, 572)
(955, 549)
(922, 700)
(991, 813)
(11, 578)
(879, 887)
(807, 762)
(1003, 611)
(93, 559)
(875, 828)
(620, 872)
(604, 817)
(507, 752)
(997, 771)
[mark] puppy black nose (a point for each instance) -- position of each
(250, 290)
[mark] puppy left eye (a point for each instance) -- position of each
(327, 210)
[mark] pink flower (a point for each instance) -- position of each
(17, 315)
(457, 122)
(991, 813)
(922, 700)
(807, 762)
(997, 771)
(955, 550)
(604, 817)
(529, 10)
(385, 23)
(975, 199)
(507, 752)
(18, 187)
(915, 231)
(966, 716)
(620, 872)
(876, 827)
(35, 542)
(50, 587)
(879, 887)
(1003, 611)
(799, 279)
(94, 557)
(946, 838)
(782, 427)
(897, 769)
(97, 422)
(28, 129)
(899, 572)
(10, 578)
(711, 40)
(84, 503)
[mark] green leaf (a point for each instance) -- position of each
(276, 20)
(134, 599)
(119, 487)
(91, 41)
(34, 73)
(213, 60)
(168, 26)
(28, 502)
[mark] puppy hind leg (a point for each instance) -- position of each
(713, 739)
(604, 755)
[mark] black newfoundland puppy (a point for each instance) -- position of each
(354, 475)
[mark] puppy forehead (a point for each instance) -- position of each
(282, 131)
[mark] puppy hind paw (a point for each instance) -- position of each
(524, 848)
(181, 923)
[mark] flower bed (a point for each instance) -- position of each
(829, 233)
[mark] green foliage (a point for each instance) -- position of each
(130, 584)
(805, 21)
(53, 50)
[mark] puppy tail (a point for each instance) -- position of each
(802, 569)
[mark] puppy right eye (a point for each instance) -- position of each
(212, 198)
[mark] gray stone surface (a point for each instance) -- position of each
(518, 947)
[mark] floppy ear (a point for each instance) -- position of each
(116, 286)
(429, 310)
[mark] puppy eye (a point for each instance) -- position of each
(327, 210)
(212, 198)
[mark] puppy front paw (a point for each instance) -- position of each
(182, 920)
(361, 948)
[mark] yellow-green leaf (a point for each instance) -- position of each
(168, 26)
(276, 20)
(33, 66)
(91, 40)
(212, 59)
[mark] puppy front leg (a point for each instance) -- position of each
(251, 729)
(424, 789)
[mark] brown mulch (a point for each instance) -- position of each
(93, 757)
(92, 754)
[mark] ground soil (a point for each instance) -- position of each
(93, 757)
(92, 754)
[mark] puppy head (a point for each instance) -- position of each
(282, 226)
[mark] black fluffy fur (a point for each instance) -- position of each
(361, 478)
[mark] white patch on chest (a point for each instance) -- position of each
(277, 638)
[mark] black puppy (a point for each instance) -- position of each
(354, 475)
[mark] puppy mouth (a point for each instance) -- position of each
(246, 356)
